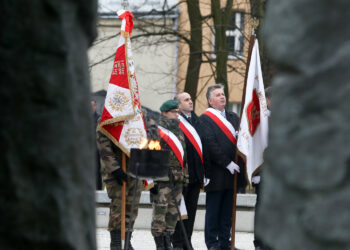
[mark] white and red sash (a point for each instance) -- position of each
(173, 142)
(192, 135)
(223, 124)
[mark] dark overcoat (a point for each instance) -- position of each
(220, 151)
(195, 165)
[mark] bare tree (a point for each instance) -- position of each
(163, 31)
(195, 44)
(258, 8)
(221, 17)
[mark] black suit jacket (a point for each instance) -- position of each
(220, 152)
(195, 166)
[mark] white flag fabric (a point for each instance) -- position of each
(183, 209)
(253, 131)
(122, 119)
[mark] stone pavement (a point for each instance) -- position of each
(143, 240)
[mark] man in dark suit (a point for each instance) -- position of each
(195, 167)
(220, 139)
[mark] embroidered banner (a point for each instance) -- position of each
(253, 131)
(121, 119)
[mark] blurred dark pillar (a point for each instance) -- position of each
(305, 197)
(47, 174)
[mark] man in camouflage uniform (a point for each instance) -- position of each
(165, 214)
(113, 177)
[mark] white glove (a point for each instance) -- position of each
(256, 179)
(232, 167)
(206, 181)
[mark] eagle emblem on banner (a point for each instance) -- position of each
(253, 113)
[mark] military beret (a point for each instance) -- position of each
(169, 105)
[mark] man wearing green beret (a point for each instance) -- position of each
(164, 192)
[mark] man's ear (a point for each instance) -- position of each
(210, 102)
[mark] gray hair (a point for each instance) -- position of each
(211, 89)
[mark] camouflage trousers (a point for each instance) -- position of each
(165, 214)
(114, 191)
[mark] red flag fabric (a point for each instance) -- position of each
(121, 119)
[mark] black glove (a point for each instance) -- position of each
(120, 176)
(154, 190)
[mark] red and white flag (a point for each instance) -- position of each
(121, 119)
(253, 130)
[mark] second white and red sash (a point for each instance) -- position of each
(224, 125)
(192, 135)
(173, 142)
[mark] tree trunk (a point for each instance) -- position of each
(268, 69)
(195, 56)
(221, 18)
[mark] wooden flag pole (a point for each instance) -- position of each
(125, 35)
(123, 200)
(233, 227)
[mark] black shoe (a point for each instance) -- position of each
(159, 240)
(167, 242)
(128, 236)
(262, 248)
(185, 246)
(214, 248)
(116, 243)
(227, 248)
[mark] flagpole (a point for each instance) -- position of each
(233, 226)
(123, 200)
(125, 35)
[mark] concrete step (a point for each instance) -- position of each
(244, 216)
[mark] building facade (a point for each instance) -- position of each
(155, 60)
(237, 36)
(161, 58)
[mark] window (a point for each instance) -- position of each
(235, 107)
(234, 35)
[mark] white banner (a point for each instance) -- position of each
(253, 131)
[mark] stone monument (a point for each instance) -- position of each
(305, 200)
(47, 172)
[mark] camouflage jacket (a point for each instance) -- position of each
(111, 156)
(174, 164)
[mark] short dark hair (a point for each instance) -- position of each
(212, 88)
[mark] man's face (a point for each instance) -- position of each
(185, 103)
(218, 99)
(172, 114)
